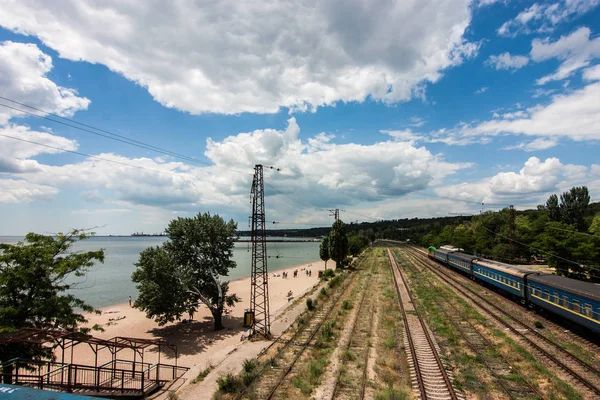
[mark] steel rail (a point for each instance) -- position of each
(442, 369)
(459, 285)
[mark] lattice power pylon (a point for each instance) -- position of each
(259, 289)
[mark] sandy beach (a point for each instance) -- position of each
(197, 343)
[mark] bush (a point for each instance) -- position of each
(328, 273)
(229, 383)
(323, 293)
(310, 304)
(302, 384)
(315, 370)
(327, 330)
(348, 356)
(334, 282)
(346, 305)
(250, 365)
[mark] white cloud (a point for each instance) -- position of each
(20, 191)
(575, 115)
(92, 196)
(402, 135)
(529, 186)
(481, 90)
(23, 70)
(534, 145)
(507, 61)
(543, 17)
(21, 149)
(417, 122)
(231, 57)
(575, 51)
(315, 172)
(592, 73)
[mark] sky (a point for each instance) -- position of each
(121, 116)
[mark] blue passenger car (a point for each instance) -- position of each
(462, 262)
(575, 300)
(441, 254)
(509, 278)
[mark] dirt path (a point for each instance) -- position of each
(234, 356)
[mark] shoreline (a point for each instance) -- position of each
(271, 272)
(196, 342)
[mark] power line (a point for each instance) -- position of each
(566, 230)
(540, 250)
(111, 161)
(107, 134)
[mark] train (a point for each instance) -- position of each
(575, 300)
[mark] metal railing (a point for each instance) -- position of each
(115, 376)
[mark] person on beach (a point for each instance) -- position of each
(129, 301)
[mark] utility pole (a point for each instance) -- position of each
(511, 231)
(259, 282)
(335, 213)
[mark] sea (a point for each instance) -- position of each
(109, 283)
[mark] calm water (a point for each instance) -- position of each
(110, 283)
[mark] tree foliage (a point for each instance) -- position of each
(553, 208)
(186, 270)
(573, 205)
(356, 243)
(555, 234)
(324, 250)
(33, 287)
(338, 242)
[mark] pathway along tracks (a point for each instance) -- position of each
(292, 350)
(428, 373)
(583, 373)
(359, 344)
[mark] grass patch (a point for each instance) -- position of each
(229, 383)
(348, 356)
(346, 305)
(392, 394)
(203, 374)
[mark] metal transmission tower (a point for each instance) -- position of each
(511, 231)
(259, 286)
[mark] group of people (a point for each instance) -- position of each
(284, 274)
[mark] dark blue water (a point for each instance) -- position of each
(110, 283)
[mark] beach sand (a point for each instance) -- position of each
(196, 342)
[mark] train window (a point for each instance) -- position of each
(576, 306)
(555, 297)
(547, 294)
(587, 310)
(565, 301)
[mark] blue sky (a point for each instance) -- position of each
(383, 109)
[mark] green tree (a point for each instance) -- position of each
(356, 244)
(573, 205)
(324, 250)
(185, 271)
(338, 242)
(553, 208)
(34, 277)
(595, 225)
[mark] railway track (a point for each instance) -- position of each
(580, 371)
(428, 374)
(362, 331)
(291, 350)
(497, 365)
